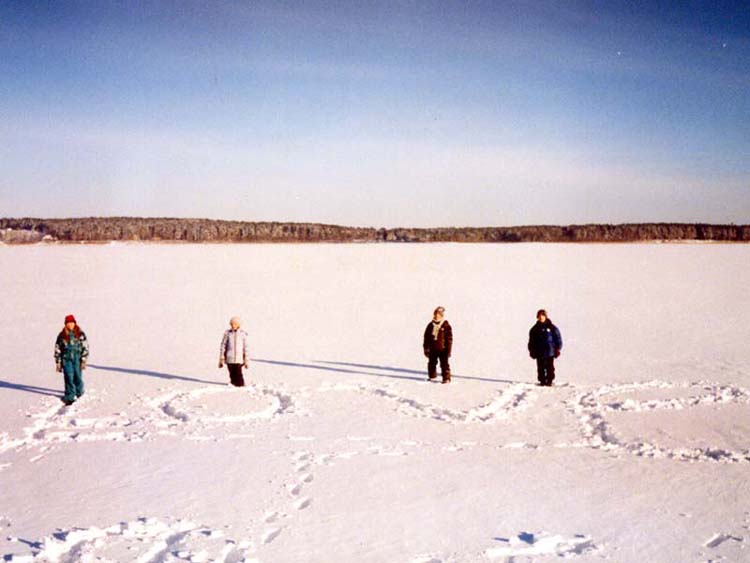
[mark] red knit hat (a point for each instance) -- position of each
(70, 319)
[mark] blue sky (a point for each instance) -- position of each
(380, 114)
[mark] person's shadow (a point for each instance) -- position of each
(317, 366)
(347, 367)
(157, 374)
(423, 373)
(30, 389)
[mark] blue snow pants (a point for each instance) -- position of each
(73, 378)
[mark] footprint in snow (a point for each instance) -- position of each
(717, 539)
(541, 543)
(142, 539)
(303, 503)
(301, 456)
(270, 535)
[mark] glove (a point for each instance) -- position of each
(221, 364)
(83, 364)
(59, 367)
(557, 352)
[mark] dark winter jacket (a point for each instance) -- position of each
(443, 342)
(71, 345)
(544, 340)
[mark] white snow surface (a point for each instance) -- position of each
(339, 449)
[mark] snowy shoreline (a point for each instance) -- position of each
(367, 243)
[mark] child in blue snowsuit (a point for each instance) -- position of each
(545, 344)
(71, 352)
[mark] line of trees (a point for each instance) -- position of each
(103, 229)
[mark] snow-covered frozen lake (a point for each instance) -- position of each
(340, 450)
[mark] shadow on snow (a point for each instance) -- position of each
(344, 367)
(30, 389)
(334, 369)
(157, 374)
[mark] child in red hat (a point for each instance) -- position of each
(71, 352)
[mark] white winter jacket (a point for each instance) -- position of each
(234, 347)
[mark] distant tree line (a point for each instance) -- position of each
(103, 229)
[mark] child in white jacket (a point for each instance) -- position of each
(233, 352)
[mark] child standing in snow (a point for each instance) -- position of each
(437, 344)
(71, 352)
(233, 351)
(545, 344)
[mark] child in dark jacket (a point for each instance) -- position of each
(438, 345)
(71, 352)
(545, 344)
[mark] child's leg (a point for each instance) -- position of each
(239, 377)
(445, 368)
(432, 365)
(78, 378)
(69, 379)
(541, 371)
(235, 375)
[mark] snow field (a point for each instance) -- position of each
(339, 448)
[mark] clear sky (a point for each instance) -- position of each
(403, 113)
